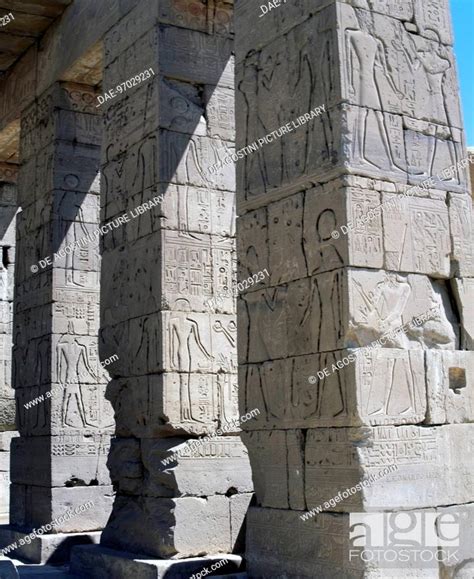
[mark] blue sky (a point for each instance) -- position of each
(463, 20)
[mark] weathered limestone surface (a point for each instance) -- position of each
(356, 255)
(324, 543)
(59, 461)
(8, 210)
(176, 374)
(93, 562)
(54, 548)
(298, 470)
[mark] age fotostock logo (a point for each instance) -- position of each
(395, 538)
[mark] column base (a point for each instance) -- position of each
(96, 562)
(370, 545)
(53, 548)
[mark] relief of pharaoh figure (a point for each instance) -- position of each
(367, 52)
(383, 310)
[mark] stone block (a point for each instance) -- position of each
(343, 226)
(8, 191)
(7, 414)
(432, 18)
(72, 461)
(131, 122)
(321, 549)
(188, 160)
(427, 463)
(76, 509)
(140, 56)
(194, 269)
(450, 387)
(344, 388)
(26, 188)
(192, 472)
(178, 404)
(4, 461)
(70, 409)
(239, 505)
(220, 466)
(457, 560)
(213, 339)
(460, 219)
(6, 440)
(404, 467)
(127, 31)
(368, 135)
(180, 56)
(339, 546)
(464, 295)
(125, 465)
(175, 528)
(7, 225)
(69, 167)
(4, 498)
(345, 308)
(98, 562)
(220, 112)
(409, 92)
(48, 548)
(193, 15)
(198, 210)
(73, 356)
(72, 309)
(273, 25)
(278, 477)
(416, 236)
(6, 318)
(57, 249)
(182, 108)
(81, 127)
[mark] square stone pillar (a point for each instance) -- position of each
(58, 463)
(345, 272)
(8, 209)
(176, 377)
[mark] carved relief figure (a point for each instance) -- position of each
(326, 70)
(383, 308)
(327, 256)
(436, 63)
(392, 388)
(73, 364)
(295, 146)
(187, 350)
(273, 73)
(325, 309)
(366, 55)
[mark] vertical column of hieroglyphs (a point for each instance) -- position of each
(175, 379)
(8, 209)
(59, 461)
(358, 345)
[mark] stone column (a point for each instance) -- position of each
(58, 464)
(175, 380)
(8, 209)
(344, 274)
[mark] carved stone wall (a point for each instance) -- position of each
(345, 273)
(8, 209)
(59, 461)
(176, 376)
